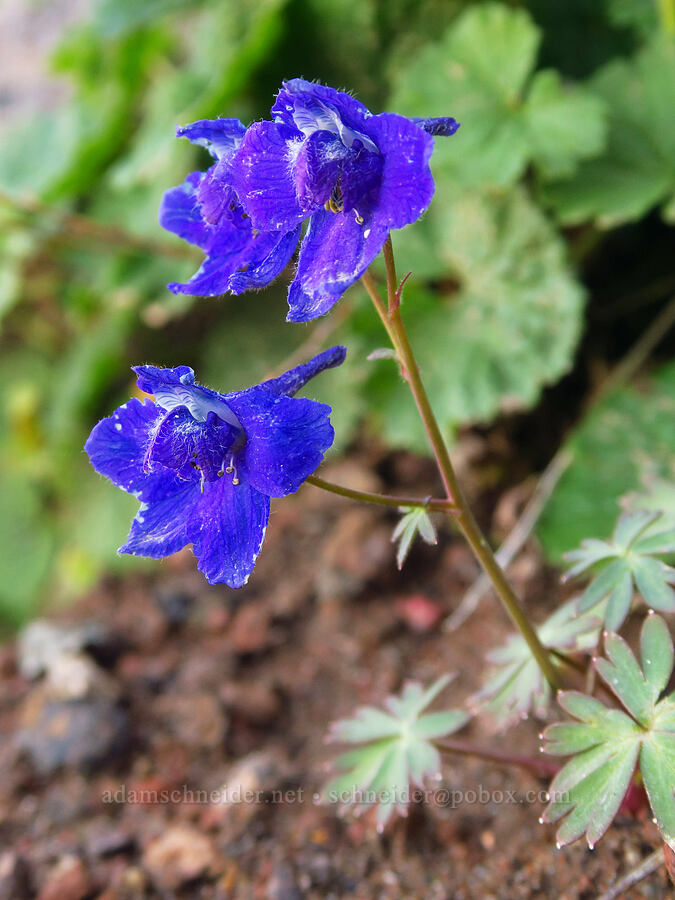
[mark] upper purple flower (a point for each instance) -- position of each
(325, 158)
(204, 465)
(204, 210)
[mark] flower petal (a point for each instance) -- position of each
(442, 126)
(227, 251)
(268, 258)
(160, 527)
(228, 529)
(335, 252)
(221, 137)
(298, 94)
(407, 187)
(215, 194)
(285, 439)
(263, 178)
(176, 387)
(117, 444)
(292, 381)
(180, 214)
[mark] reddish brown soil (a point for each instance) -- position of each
(319, 630)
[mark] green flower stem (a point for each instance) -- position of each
(535, 764)
(428, 503)
(393, 322)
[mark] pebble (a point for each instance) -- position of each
(174, 603)
(195, 720)
(14, 877)
(282, 884)
(41, 643)
(80, 733)
(257, 702)
(67, 880)
(73, 676)
(182, 854)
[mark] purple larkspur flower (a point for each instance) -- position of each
(204, 465)
(205, 211)
(324, 158)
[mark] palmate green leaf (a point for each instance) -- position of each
(510, 328)
(637, 170)
(515, 687)
(396, 750)
(481, 74)
(624, 564)
(414, 521)
(629, 434)
(606, 744)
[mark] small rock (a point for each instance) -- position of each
(68, 880)
(174, 604)
(43, 642)
(104, 840)
(73, 676)
(250, 630)
(255, 701)
(355, 551)
(82, 733)
(247, 785)
(182, 854)
(14, 877)
(283, 885)
(195, 720)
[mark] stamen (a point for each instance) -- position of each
(231, 469)
(335, 203)
(359, 219)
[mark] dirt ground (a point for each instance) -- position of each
(159, 688)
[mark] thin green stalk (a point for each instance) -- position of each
(429, 503)
(535, 764)
(393, 322)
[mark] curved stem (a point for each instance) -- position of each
(429, 503)
(393, 322)
(534, 764)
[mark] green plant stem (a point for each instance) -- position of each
(535, 764)
(393, 322)
(429, 503)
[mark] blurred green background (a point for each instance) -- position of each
(548, 248)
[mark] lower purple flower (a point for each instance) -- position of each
(204, 465)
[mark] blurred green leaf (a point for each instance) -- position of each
(628, 435)
(396, 749)
(635, 14)
(27, 547)
(481, 74)
(515, 687)
(627, 563)
(637, 171)
(510, 328)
